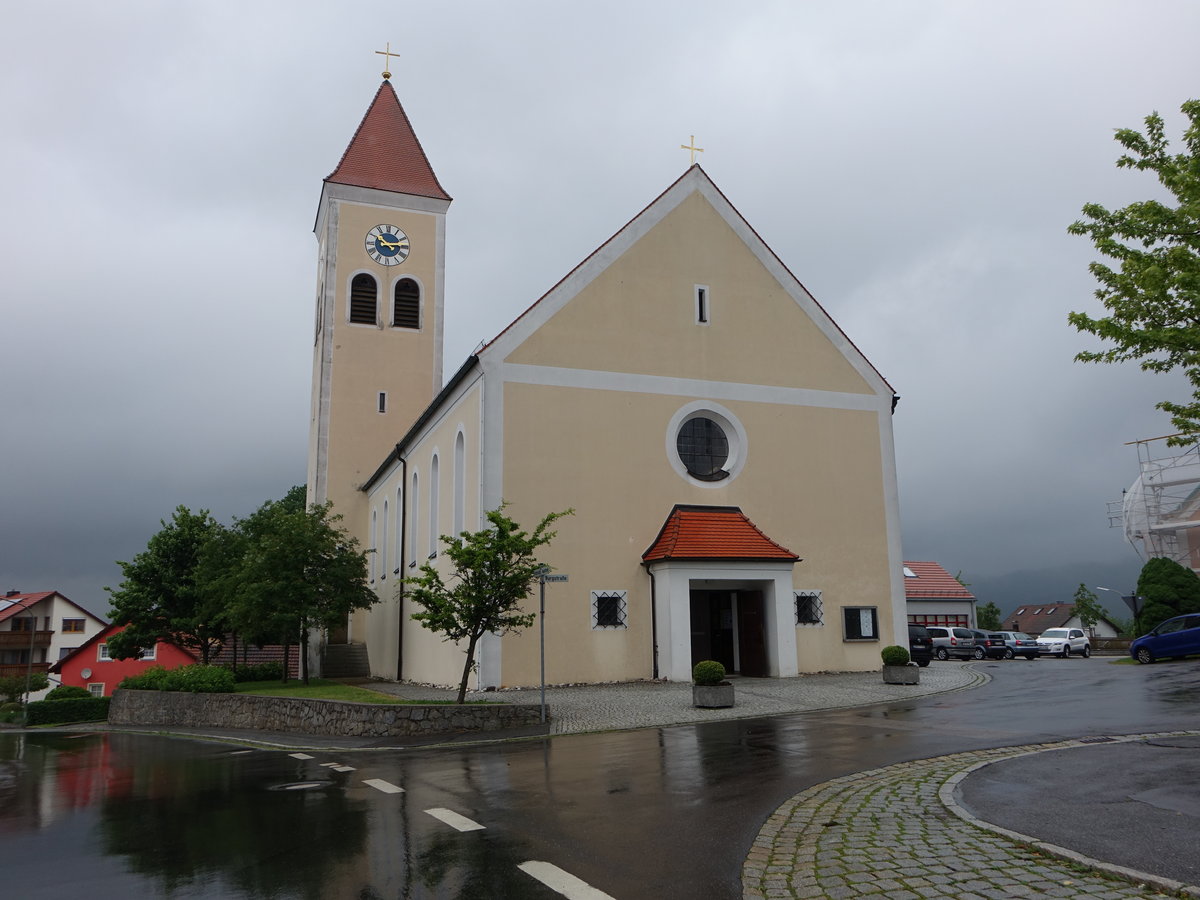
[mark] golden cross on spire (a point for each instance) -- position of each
(692, 148)
(387, 55)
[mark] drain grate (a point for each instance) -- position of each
(1096, 740)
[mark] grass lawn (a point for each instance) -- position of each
(320, 689)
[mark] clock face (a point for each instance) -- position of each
(387, 245)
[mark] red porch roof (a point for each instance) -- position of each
(929, 581)
(385, 154)
(713, 532)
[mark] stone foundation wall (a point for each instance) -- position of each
(303, 716)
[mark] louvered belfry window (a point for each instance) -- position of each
(406, 305)
(364, 295)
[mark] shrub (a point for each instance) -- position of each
(264, 671)
(67, 692)
(195, 679)
(11, 712)
(74, 709)
(149, 680)
(708, 671)
(894, 656)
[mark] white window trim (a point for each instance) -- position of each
(735, 433)
(95, 684)
(102, 653)
(350, 294)
(702, 304)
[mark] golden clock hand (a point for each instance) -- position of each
(388, 243)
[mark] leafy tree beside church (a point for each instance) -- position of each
(1087, 606)
(1152, 293)
(493, 571)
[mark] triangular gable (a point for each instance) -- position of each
(693, 181)
(6, 611)
(713, 532)
(385, 154)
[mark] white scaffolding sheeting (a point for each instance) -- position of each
(1161, 510)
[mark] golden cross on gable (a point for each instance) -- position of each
(692, 148)
(387, 55)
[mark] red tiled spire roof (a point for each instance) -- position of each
(713, 532)
(385, 154)
(929, 580)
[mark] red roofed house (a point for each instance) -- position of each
(1034, 618)
(726, 447)
(91, 667)
(935, 597)
(45, 624)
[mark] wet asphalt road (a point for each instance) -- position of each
(658, 812)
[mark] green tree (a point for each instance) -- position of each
(492, 572)
(14, 687)
(1153, 293)
(988, 616)
(1166, 589)
(1087, 606)
(287, 569)
(163, 595)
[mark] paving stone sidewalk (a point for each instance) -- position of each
(577, 709)
(898, 832)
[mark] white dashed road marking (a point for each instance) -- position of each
(454, 820)
(337, 768)
(299, 756)
(386, 786)
(563, 882)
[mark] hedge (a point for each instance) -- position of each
(196, 679)
(60, 712)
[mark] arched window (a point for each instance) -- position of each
(406, 304)
(433, 507)
(383, 544)
(460, 462)
(399, 529)
(374, 547)
(413, 504)
(364, 296)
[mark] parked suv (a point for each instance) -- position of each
(948, 642)
(1018, 643)
(1063, 642)
(987, 645)
(920, 645)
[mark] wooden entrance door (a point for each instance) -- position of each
(752, 634)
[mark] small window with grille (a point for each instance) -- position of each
(608, 609)
(808, 608)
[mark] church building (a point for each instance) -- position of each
(727, 450)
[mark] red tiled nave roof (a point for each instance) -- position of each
(930, 581)
(713, 532)
(385, 154)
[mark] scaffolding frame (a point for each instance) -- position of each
(1160, 511)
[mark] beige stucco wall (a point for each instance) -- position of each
(757, 333)
(425, 656)
(812, 481)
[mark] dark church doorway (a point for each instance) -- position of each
(724, 620)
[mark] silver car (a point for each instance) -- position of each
(952, 641)
(1018, 643)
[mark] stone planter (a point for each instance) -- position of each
(909, 674)
(712, 696)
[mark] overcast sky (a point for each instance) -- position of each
(915, 164)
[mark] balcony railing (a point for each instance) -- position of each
(20, 669)
(16, 640)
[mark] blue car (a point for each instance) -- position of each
(1179, 636)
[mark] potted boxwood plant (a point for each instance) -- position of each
(710, 690)
(897, 669)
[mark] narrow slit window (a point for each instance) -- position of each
(383, 401)
(701, 304)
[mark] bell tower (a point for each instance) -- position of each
(377, 347)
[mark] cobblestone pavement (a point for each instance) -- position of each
(898, 832)
(575, 709)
